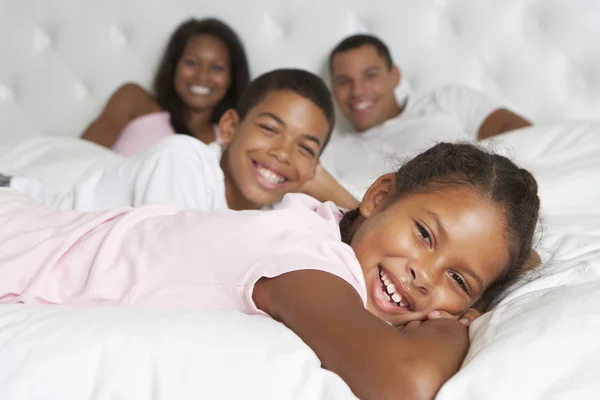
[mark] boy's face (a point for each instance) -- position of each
(363, 87)
(273, 151)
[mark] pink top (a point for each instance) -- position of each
(142, 132)
(162, 256)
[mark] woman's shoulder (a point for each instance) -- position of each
(136, 97)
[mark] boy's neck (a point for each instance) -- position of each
(235, 198)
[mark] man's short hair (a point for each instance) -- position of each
(356, 41)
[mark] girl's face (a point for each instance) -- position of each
(203, 76)
(428, 252)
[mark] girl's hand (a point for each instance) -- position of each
(469, 316)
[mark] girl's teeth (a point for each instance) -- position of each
(390, 291)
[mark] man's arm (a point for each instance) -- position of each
(500, 121)
(375, 359)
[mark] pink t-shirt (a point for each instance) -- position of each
(142, 132)
(166, 257)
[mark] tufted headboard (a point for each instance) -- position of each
(61, 59)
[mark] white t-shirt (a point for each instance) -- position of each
(450, 113)
(178, 170)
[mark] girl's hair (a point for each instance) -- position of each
(512, 189)
(164, 90)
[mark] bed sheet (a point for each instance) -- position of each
(540, 342)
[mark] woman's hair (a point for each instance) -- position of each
(512, 189)
(164, 89)
(299, 81)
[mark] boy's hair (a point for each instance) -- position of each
(356, 41)
(301, 82)
(512, 189)
(165, 92)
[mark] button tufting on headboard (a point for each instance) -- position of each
(61, 59)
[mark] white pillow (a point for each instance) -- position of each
(55, 352)
(56, 161)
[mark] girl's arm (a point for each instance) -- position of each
(127, 103)
(375, 359)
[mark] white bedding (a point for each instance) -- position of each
(541, 342)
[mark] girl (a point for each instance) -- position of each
(202, 74)
(375, 292)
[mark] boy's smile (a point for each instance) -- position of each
(273, 151)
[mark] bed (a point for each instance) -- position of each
(62, 58)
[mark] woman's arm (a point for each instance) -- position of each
(127, 103)
(324, 187)
(375, 359)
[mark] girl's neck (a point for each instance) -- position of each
(233, 195)
(200, 125)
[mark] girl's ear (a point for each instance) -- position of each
(375, 197)
(228, 124)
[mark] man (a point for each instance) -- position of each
(364, 79)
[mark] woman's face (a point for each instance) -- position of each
(426, 252)
(203, 75)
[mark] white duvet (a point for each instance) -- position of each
(541, 342)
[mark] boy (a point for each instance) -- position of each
(272, 143)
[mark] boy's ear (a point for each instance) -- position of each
(375, 197)
(397, 75)
(228, 124)
(316, 169)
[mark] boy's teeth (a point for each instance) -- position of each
(396, 297)
(387, 297)
(269, 175)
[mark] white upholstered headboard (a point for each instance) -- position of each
(61, 59)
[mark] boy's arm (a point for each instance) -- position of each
(375, 359)
(325, 187)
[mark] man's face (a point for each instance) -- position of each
(363, 87)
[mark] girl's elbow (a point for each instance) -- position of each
(418, 380)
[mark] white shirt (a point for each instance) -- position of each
(178, 170)
(450, 113)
